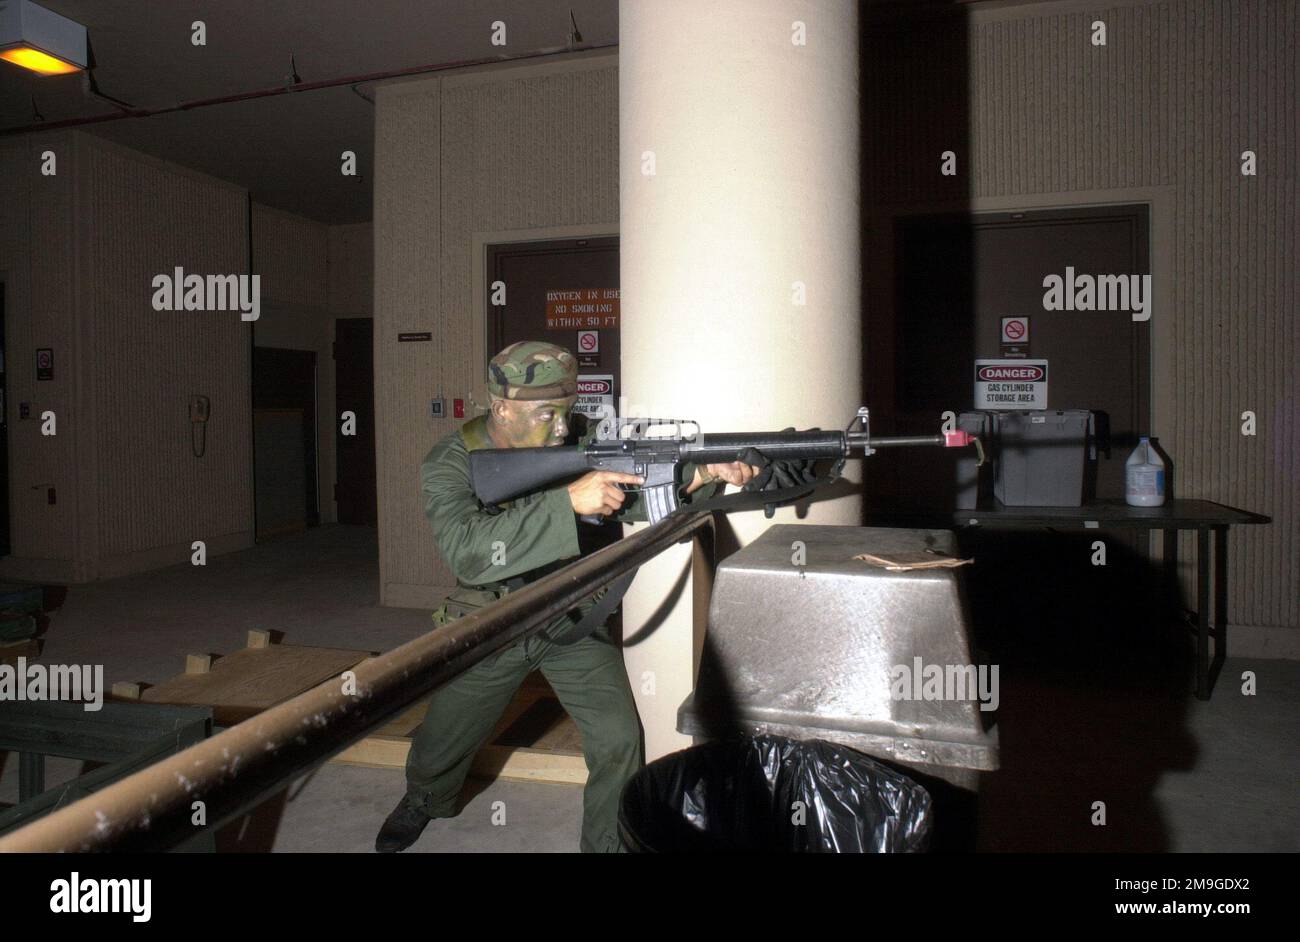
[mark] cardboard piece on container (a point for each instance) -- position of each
(907, 561)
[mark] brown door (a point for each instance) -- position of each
(559, 282)
(354, 371)
(284, 456)
(534, 272)
(960, 275)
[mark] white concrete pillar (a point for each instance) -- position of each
(741, 262)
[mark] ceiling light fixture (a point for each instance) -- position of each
(41, 40)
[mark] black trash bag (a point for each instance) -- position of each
(740, 796)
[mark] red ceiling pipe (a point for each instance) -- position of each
(290, 89)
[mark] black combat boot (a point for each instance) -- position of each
(401, 828)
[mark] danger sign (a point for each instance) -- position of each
(595, 395)
(1021, 372)
(1010, 384)
(588, 341)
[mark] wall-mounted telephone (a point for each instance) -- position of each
(200, 409)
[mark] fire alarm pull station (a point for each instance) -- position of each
(458, 408)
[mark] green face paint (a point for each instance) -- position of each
(537, 424)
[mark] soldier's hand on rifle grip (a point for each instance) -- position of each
(784, 473)
(763, 469)
(596, 493)
(735, 472)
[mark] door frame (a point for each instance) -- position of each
(1159, 201)
(312, 511)
(336, 435)
(480, 243)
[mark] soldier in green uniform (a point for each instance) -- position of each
(532, 388)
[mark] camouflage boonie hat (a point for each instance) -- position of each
(532, 370)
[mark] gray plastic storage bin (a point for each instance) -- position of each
(1042, 457)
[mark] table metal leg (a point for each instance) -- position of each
(1203, 613)
(1173, 592)
(31, 775)
(1220, 603)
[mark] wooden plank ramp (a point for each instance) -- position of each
(245, 683)
(535, 741)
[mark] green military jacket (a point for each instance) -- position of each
(488, 552)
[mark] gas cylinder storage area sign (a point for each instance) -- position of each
(595, 395)
(1010, 384)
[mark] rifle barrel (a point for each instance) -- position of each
(895, 441)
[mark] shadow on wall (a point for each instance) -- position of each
(1094, 664)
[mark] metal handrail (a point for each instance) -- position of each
(153, 809)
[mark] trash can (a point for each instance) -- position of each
(1042, 456)
(758, 794)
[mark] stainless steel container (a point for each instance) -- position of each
(807, 642)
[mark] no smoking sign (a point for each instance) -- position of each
(588, 341)
(1015, 336)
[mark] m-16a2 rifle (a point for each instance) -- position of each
(653, 449)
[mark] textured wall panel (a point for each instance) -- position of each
(1178, 92)
(352, 270)
(407, 256)
(290, 254)
(37, 268)
(486, 152)
(145, 218)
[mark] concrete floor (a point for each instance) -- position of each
(1175, 773)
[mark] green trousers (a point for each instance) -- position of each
(591, 682)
